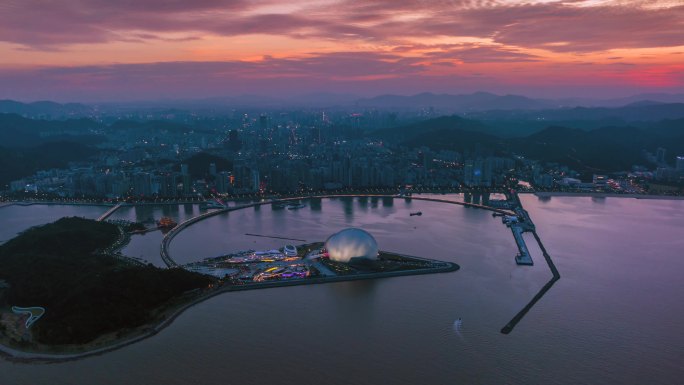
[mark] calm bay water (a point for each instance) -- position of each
(146, 246)
(15, 219)
(613, 317)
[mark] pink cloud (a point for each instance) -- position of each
(553, 26)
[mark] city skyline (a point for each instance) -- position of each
(100, 51)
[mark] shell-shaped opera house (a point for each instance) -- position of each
(351, 243)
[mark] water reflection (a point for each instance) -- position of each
(348, 207)
(357, 298)
(374, 202)
(316, 204)
(170, 210)
(355, 289)
(187, 209)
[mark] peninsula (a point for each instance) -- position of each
(66, 294)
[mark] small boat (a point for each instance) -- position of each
(296, 206)
(417, 213)
(211, 204)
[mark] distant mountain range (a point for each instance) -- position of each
(639, 111)
(484, 101)
(17, 131)
(477, 102)
(45, 109)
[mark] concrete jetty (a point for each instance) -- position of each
(523, 257)
(556, 276)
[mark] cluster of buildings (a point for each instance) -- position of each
(666, 172)
(286, 153)
(283, 272)
(345, 246)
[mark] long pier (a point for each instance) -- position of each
(164, 248)
(109, 212)
(529, 226)
(556, 276)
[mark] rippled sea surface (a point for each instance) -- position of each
(615, 315)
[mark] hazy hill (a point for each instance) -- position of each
(600, 150)
(604, 149)
(479, 101)
(642, 111)
(671, 128)
(581, 149)
(652, 97)
(17, 131)
(28, 145)
(447, 132)
(16, 163)
(45, 109)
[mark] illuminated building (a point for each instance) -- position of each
(351, 243)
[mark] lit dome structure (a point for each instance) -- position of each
(351, 243)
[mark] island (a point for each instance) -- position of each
(65, 293)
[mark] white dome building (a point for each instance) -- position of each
(351, 243)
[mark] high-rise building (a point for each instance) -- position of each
(167, 186)
(212, 169)
(680, 164)
(142, 184)
(234, 142)
(255, 180)
(187, 184)
(468, 172)
(223, 182)
(660, 155)
(478, 168)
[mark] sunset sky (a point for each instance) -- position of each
(117, 50)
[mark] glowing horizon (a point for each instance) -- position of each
(95, 50)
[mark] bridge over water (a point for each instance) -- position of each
(109, 212)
